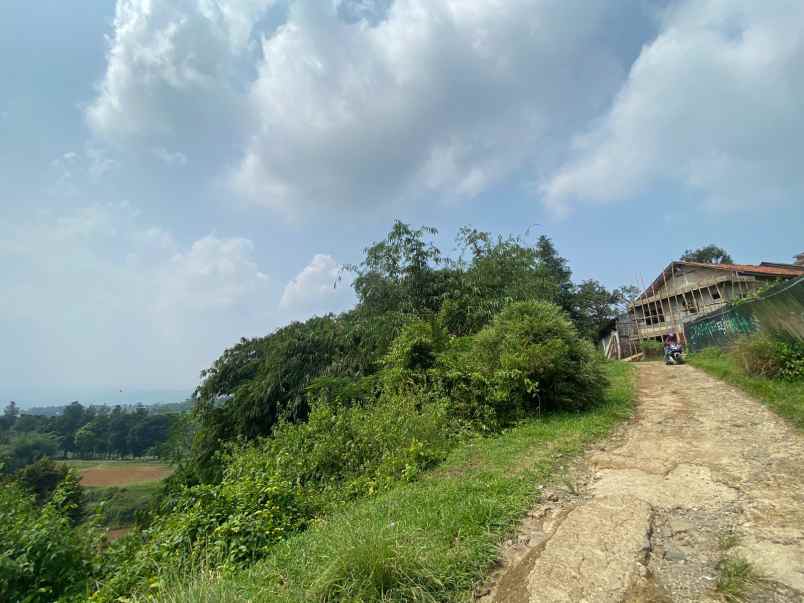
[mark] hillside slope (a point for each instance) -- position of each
(431, 540)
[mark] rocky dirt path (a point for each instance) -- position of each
(701, 474)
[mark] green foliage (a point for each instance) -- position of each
(226, 524)
(711, 254)
(68, 497)
(41, 478)
(341, 453)
(43, 557)
(762, 355)
(736, 579)
(89, 432)
(289, 428)
(783, 396)
(22, 449)
(397, 275)
(428, 540)
(121, 506)
(500, 271)
(652, 348)
(271, 488)
(530, 358)
(402, 279)
(260, 382)
(593, 308)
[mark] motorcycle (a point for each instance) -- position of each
(674, 354)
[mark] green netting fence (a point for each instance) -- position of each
(779, 311)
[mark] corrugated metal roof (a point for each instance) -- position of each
(767, 268)
(784, 271)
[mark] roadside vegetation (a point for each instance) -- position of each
(383, 451)
(768, 368)
(736, 578)
(430, 540)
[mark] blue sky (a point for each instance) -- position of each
(177, 174)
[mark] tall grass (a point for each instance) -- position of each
(786, 398)
(431, 540)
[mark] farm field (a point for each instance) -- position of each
(125, 488)
(119, 473)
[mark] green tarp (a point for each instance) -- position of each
(780, 311)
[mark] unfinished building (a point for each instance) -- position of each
(683, 292)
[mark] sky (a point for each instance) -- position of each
(178, 174)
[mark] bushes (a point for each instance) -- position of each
(224, 524)
(762, 355)
(271, 489)
(652, 349)
(41, 478)
(42, 556)
(362, 435)
(342, 453)
(529, 359)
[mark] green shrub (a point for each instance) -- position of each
(42, 556)
(22, 449)
(342, 453)
(530, 358)
(123, 506)
(41, 478)
(225, 524)
(762, 355)
(652, 348)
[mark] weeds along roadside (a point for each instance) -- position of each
(430, 540)
(766, 368)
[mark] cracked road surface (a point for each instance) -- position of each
(701, 473)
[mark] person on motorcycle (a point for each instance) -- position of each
(670, 340)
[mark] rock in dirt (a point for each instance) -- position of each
(595, 554)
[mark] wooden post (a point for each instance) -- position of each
(670, 302)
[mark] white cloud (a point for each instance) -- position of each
(316, 289)
(94, 295)
(170, 158)
(72, 170)
(713, 104)
(356, 102)
(173, 64)
(445, 96)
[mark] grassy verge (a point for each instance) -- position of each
(432, 540)
(786, 398)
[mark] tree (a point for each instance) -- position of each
(10, 415)
(41, 478)
(87, 440)
(711, 254)
(624, 296)
(71, 420)
(593, 308)
(558, 268)
(500, 271)
(397, 274)
(26, 448)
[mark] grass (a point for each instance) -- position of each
(736, 579)
(736, 576)
(431, 540)
(121, 504)
(785, 398)
(121, 501)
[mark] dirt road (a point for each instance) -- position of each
(702, 474)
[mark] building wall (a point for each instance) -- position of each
(689, 294)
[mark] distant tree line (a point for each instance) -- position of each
(87, 432)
